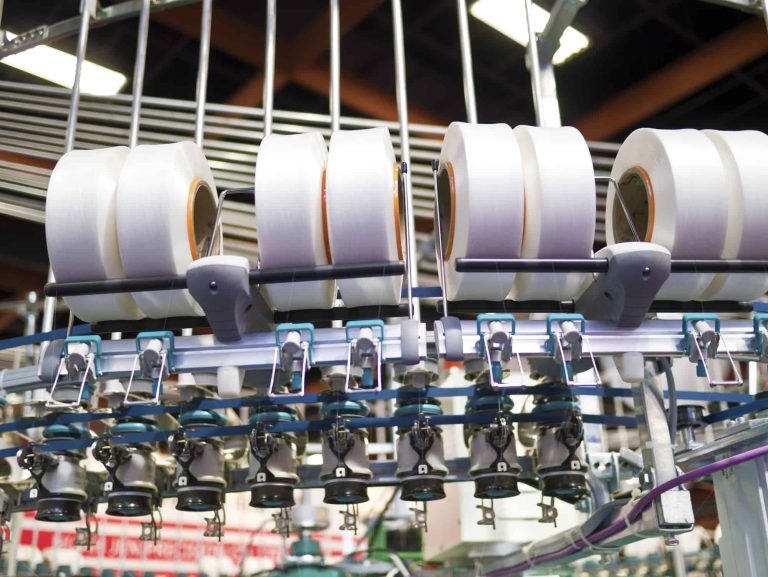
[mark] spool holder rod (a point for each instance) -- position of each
(401, 88)
(259, 276)
(439, 240)
(622, 202)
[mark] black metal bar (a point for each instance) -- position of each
(327, 272)
(297, 274)
(595, 265)
(719, 265)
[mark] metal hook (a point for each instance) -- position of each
(702, 342)
(498, 347)
(548, 511)
(363, 348)
(565, 328)
(487, 514)
(214, 526)
(86, 536)
(150, 531)
(282, 522)
(155, 361)
(88, 364)
(349, 522)
(420, 516)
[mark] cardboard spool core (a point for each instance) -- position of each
(637, 190)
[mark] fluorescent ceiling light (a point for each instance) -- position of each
(508, 17)
(59, 67)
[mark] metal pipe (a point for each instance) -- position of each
(533, 63)
(466, 62)
(401, 89)
(49, 307)
(269, 66)
(82, 43)
(138, 72)
(439, 240)
(335, 94)
(202, 74)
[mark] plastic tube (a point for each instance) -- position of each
(642, 503)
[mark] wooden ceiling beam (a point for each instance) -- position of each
(245, 42)
(682, 78)
(314, 41)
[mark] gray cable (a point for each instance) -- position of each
(666, 366)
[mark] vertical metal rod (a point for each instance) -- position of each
(269, 66)
(74, 103)
(202, 74)
(439, 240)
(401, 88)
(138, 73)
(466, 62)
(335, 95)
(49, 306)
(533, 63)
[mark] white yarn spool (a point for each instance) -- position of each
(560, 201)
(675, 186)
(80, 230)
(166, 210)
(290, 171)
(363, 212)
(481, 203)
(745, 158)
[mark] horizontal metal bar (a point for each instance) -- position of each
(597, 265)
(256, 277)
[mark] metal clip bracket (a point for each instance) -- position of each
(154, 360)
(760, 323)
(294, 351)
(80, 359)
(567, 335)
(364, 351)
(702, 341)
(497, 334)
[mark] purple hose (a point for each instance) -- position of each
(634, 513)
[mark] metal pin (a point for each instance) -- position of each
(533, 62)
(622, 202)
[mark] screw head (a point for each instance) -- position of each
(213, 285)
(646, 271)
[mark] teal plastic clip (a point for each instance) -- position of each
(366, 351)
(300, 338)
(154, 359)
(570, 350)
(496, 332)
(701, 342)
(87, 363)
